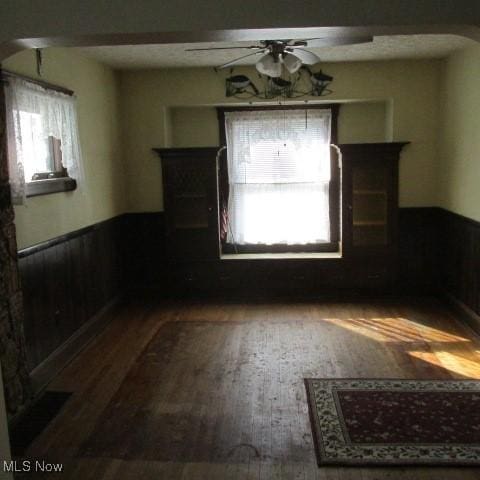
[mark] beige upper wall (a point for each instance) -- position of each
(97, 90)
(409, 91)
(389, 100)
(194, 127)
(198, 126)
(459, 137)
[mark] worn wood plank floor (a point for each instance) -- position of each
(215, 390)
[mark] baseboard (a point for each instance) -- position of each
(42, 374)
(465, 313)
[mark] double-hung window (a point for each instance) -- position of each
(43, 141)
(280, 181)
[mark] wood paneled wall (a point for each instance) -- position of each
(440, 253)
(143, 247)
(146, 264)
(418, 250)
(459, 259)
(66, 281)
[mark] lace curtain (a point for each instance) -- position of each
(279, 174)
(33, 115)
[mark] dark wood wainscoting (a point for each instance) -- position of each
(143, 248)
(146, 264)
(440, 252)
(66, 281)
(459, 262)
(279, 278)
(418, 250)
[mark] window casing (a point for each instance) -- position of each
(278, 182)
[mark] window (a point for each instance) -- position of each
(42, 155)
(43, 144)
(280, 182)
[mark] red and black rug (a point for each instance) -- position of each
(388, 422)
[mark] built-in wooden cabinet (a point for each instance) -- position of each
(369, 197)
(370, 212)
(190, 196)
(369, 200)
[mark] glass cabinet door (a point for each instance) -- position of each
(190, 202)
(190, 197)
(369, 205)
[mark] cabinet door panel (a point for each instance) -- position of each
(370, 204)
(190, 201)
(370, 198)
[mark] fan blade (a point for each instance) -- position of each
(333, 42)
(296, 43)
(251, 47)
(233, 62)
(307, 57)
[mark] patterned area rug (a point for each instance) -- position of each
(395, 422)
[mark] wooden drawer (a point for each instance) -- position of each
(361, 275)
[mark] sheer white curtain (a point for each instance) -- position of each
(279, 174)
(33, 115)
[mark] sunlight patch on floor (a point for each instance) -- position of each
(395, 329)
(454, 363)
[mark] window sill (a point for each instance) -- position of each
(51, 185)
(271, 256)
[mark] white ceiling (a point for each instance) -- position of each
(175, 56)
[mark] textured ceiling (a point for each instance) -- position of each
(174, 55)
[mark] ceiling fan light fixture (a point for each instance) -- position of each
(268, 66)
(321, 79)
(292, 63)
(306, 56)
(277, 59)
(320, 82)
(237, 84)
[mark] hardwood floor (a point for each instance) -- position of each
(215, 390)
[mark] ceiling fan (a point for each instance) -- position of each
(289, 53)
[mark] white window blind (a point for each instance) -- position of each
(279, 174)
